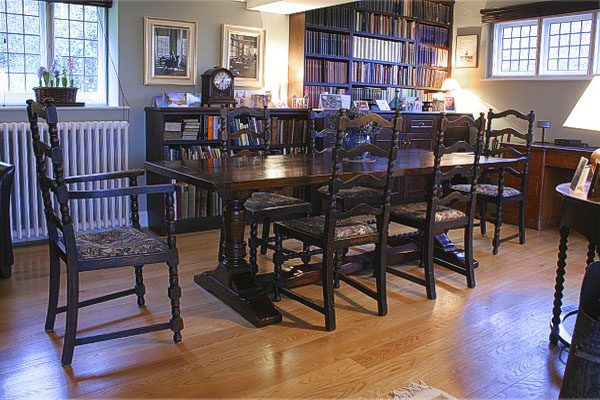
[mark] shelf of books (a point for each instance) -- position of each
(373, 48)
(197, 134)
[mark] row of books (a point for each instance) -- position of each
(326, 71)
(328, 44)
(251, 123)
(434, 35)
(174, 153)
(364, 72)
(430, 78)
(384, 50)
(385, 25)
(335, 17)
(195, 202)
(432, 56)
(314, 93)
(289, 131)
(387, 94)
(246, 140)
(421, 9)
(206, 127)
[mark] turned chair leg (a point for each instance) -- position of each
(497, 226)
(221, 240)
(253, 245)
(336, 270)
(140, 289)
(53, 290)
(328, 300)
(265, 235)
(72, 314)
(175, 294)
(428, 265)
(522, 222)
(277, 265)
(483, 211)
(469, 256)
(380, 264)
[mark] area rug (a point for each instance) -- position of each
(420, 391)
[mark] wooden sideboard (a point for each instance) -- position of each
(550, 165)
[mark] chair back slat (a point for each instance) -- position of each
(247, 132)
(444, 176)
(366, 119)
(370, 148)
(460, 146)
(385, 182)
(454, 196)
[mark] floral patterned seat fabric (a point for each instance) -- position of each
(487, 190)
(263, 200)
(345, 229)
(116, 243)
(418, 212)
(353, 193)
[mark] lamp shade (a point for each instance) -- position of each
(585, 114)
(450, 84)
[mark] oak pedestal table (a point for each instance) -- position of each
(235, 178)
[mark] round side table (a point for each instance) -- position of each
(583, 216)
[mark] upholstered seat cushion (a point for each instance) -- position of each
(263, 200)
(345, 228)
(117, 242)
(353, 193)
(487, 190)
(418, 212)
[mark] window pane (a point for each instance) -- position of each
(570, 47)
(79, 28)
(20, 49)
(518, 54)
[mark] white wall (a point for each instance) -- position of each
(551, 100)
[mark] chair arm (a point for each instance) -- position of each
(104, 176)
(126, 191)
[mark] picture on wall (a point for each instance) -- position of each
(243, 53)
(467, 51)
(169, 52)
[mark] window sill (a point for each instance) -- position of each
(84, 108)
(537, 78)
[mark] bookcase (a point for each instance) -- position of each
(371, 49)
(199, 133)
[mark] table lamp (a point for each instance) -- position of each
(585, 114)
(544, 125)
(449, 85)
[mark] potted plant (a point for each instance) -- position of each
(55, 85)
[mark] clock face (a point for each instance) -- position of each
(222, 81)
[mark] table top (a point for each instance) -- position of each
(273, 171)
(564, 190)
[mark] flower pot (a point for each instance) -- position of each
(60, 95)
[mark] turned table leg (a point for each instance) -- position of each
(232, 281)
(556, 324)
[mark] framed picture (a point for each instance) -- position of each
(449, 103)
(330, 101)
(467, 51)
(594, 192)
(243, 53)
(580, 176)
(169, 52)
(361, 105)
(382, 105)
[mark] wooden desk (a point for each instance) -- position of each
(234, 179)
(550, 165)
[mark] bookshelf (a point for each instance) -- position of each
(371, 49)
(198, 133)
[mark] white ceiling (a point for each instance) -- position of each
(290, 6)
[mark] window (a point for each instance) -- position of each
(517, 48)
(33, 34)
(550, 46)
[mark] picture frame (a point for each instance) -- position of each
(170, 51)
(594, 191)
(361, 105)
(577, 186)
(467, 51)
(382, 105)
(330, 101)
(449, 103)
(243, 53)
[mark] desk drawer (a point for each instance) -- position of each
(421, 124)
(564, 159)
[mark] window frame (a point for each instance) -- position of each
(494, 34)
(496, 56)
(47, 52)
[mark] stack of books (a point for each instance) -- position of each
(191, 127)
(172, 131)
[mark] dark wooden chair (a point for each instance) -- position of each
(435, 214)
(495, 191)
(337, 229)
(7, 174)
(262, 207)
(90, 251)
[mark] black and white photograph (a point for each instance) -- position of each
(170, 52)
(243, 54)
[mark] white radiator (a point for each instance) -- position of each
(89, 147)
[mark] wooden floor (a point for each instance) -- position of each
(487, 342)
